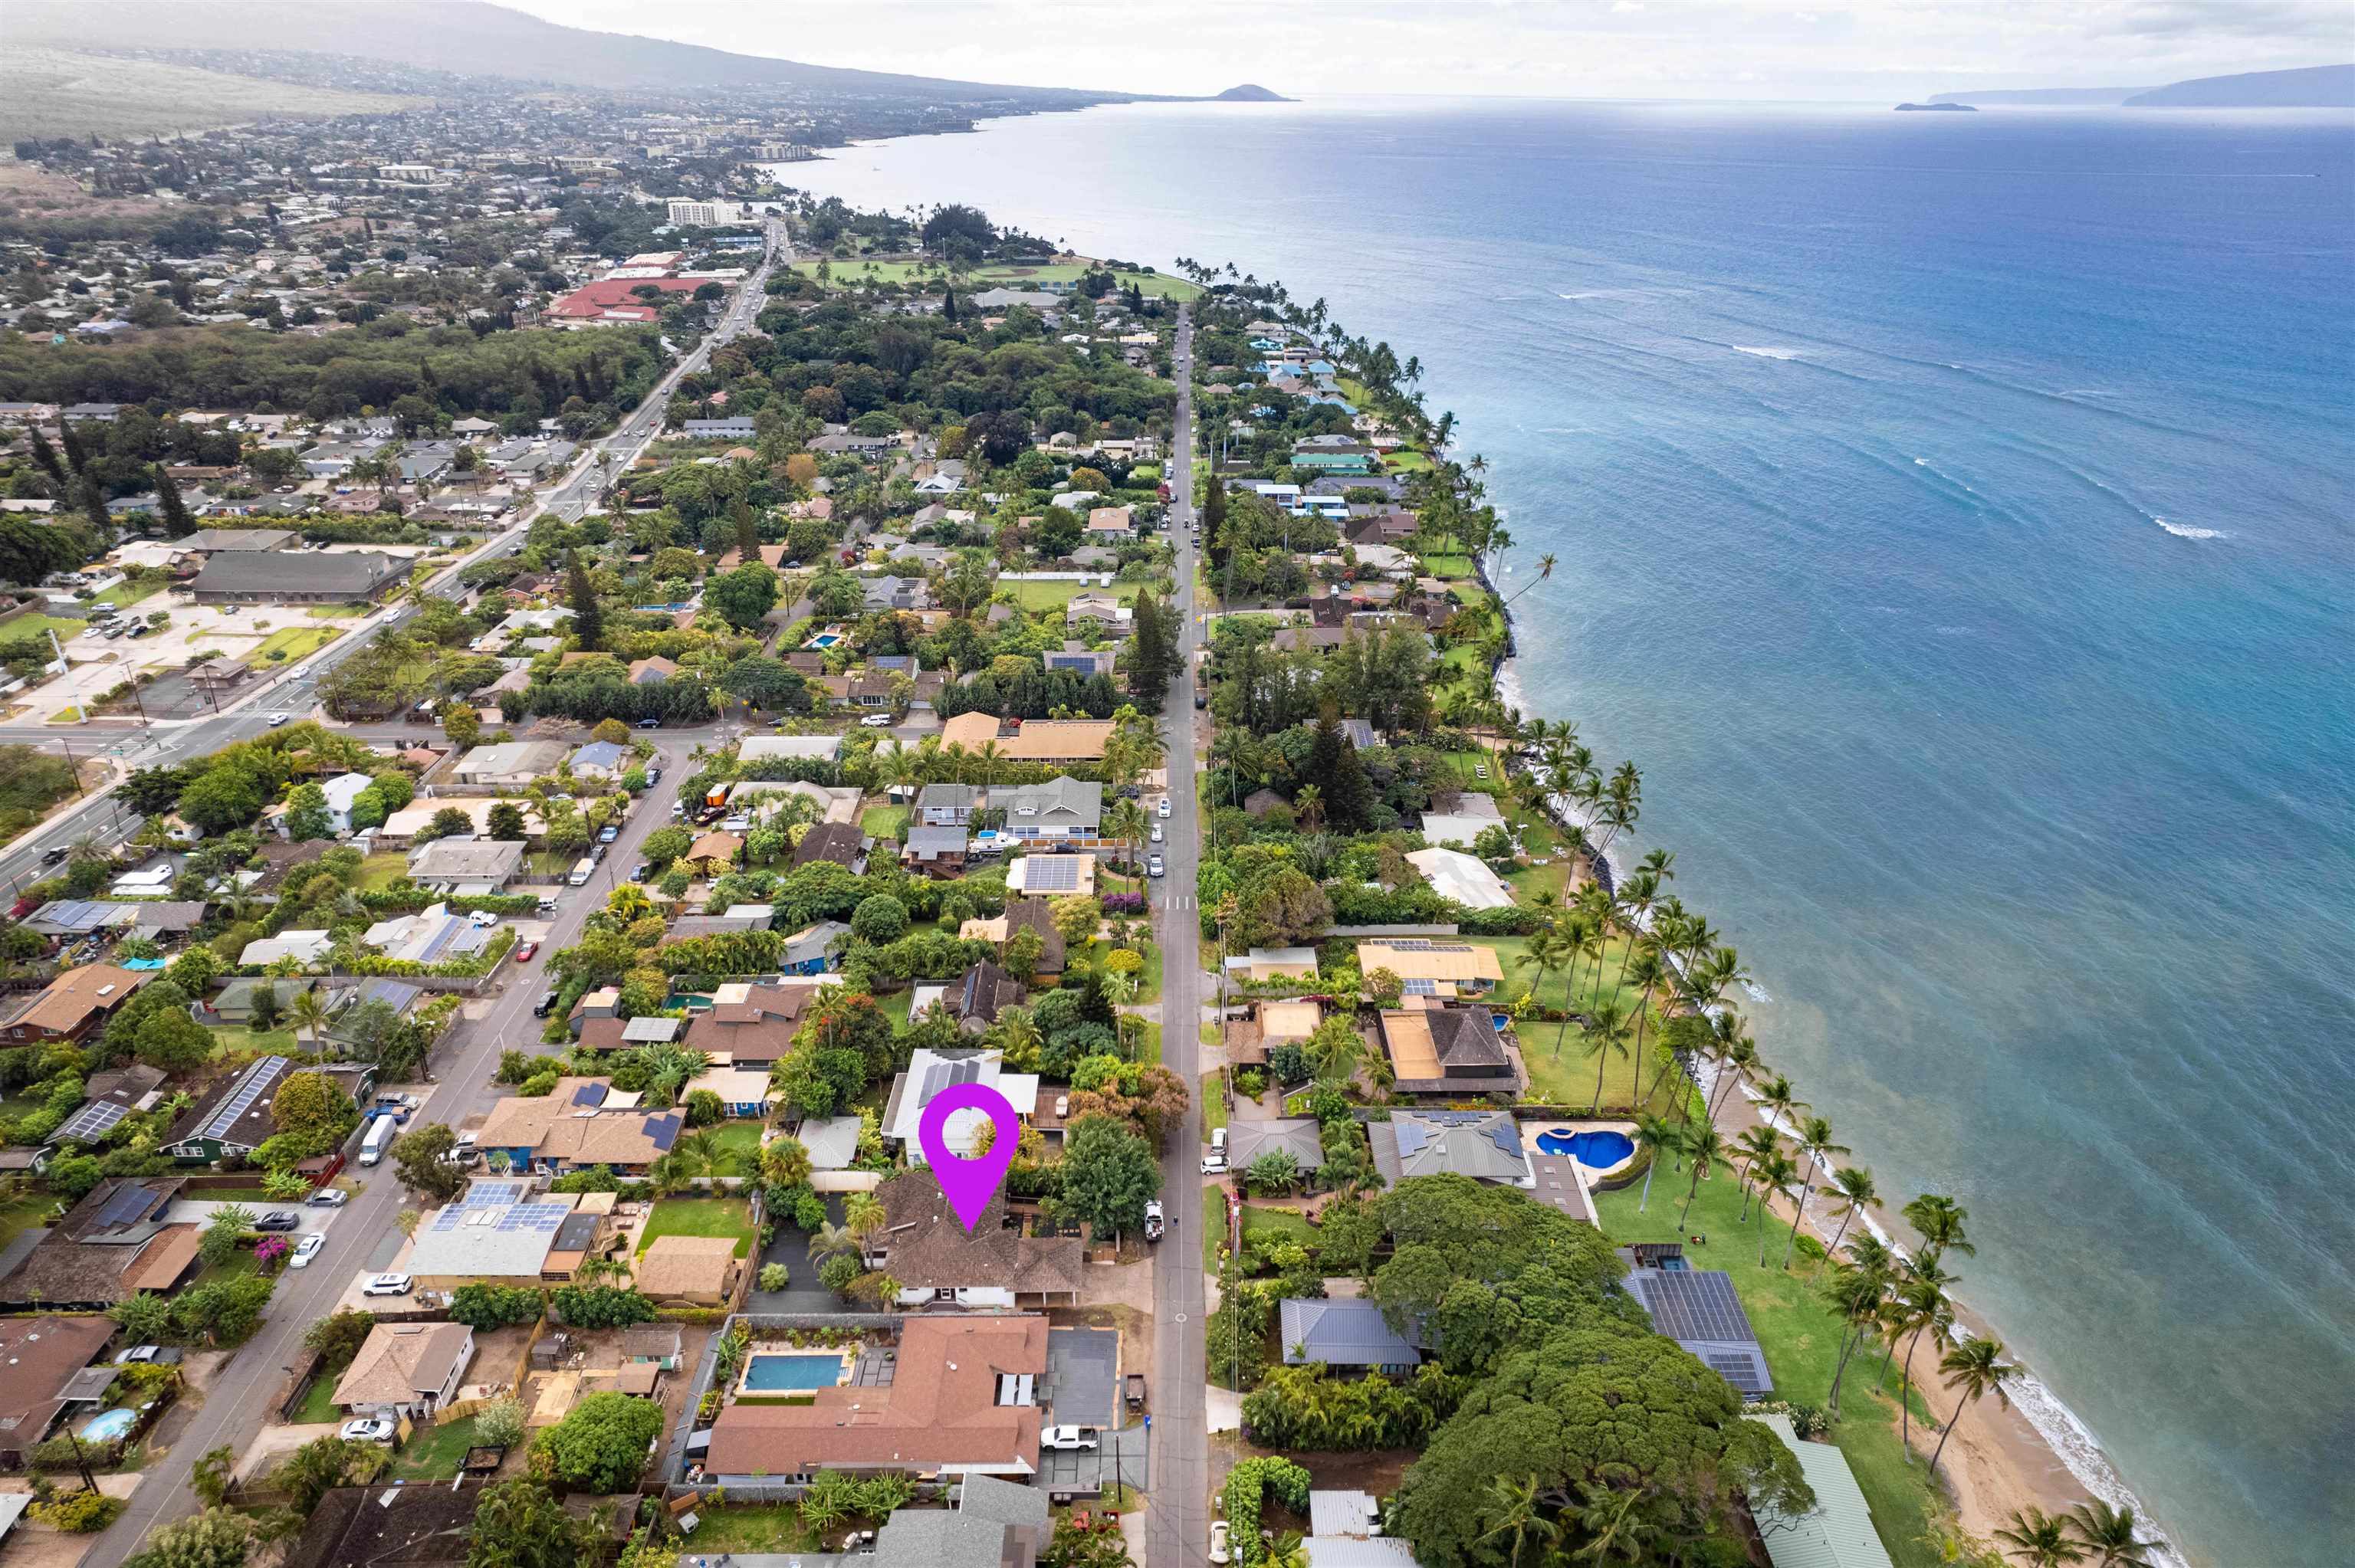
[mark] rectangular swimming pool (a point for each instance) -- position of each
(777, 1372)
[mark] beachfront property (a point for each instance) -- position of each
(1433, 966)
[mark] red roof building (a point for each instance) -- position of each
(616, 299)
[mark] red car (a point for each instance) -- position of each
(527, 952)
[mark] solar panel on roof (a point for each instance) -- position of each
(1058, 874)
(91, 1123)
(1419, 988)
(588, 1094)
(1696, 1303)
(663, 1130)
(259, 1076)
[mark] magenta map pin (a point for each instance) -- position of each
(950, 1128)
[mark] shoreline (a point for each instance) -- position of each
(2035, 1450)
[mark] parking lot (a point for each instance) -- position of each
(230, 632)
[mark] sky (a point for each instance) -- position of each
(1875, 50)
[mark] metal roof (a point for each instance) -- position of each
(1348, 1333)
(1838, 1533)
(249, 1088)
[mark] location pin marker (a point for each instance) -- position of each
(970, 1182)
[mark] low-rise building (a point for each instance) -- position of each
(698, 1271)
(278, 576)
(406, 1369)
(1348, 1335)
(1449, 1051)
(932, 1073)
(514, 762)
(468, 867)
(939, 1263)
(74, 1005)
(582, 1122)
(1482, 1145)
(1430, 966)
(108, 1248)
(44, 1356)
(1057, 741)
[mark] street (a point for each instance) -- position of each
(363, 1232)
(295, 689)
(1177, 1525)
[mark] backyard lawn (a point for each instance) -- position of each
(381, 871)
(1214, 1101)
(289, 643)
(1445, 567)
(883, 821)
(699, 1217)
(229, 1038)
(19, 1213)
(753, 1527)
(319, 1400)
(740, 1141)
(434, 1453)
(1037, 597)
(1800, 1336)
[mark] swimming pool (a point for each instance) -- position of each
(823, 639)
(113, 1424)
(1595, 1150)
(771, 1372)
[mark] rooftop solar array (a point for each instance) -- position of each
(591, 1094)
(542, 1217)
(1419, 988)
(489, 1193)
(664, 1130)
(1423, 945)
(941, 1074)
(1052, 874)
(250, 1088)
(128, 1204)
(90, 1124)
(1693, 1304)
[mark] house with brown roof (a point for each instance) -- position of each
(406, 1369)
(751, 1025)
(714, 853)
(43, 1355)
(694, 1271)
(1435, 1049)
(938, 1262)
(1023, 914)
(108, 1247)
(581, 1122)
(74, 1005)
(1433, 965)
(651, 672)
(1057, 740)
(959, 1400)
(971, 730)
(840, 843)
(976, 997)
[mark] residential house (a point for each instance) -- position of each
(342, 792)
(1273, 963)
(739, 429)
(306, 948)
(1837, 1532)
(1699, 1309)
(74, 1005)
(582, 1122)
(812, 950)
(601, 759)
(1453, 875)
(776, 748)
(470, 867)
(976, 997)
(1025, 915)
(968, 731)
(241, 1001)
(45, 1356)
(935, 852)
(234, 1117)
(435, 935)
(1099, 606)
(715, 853)
(1040, 875)
(744, 1092)
(109, 1246)
(296, 577)
(499, 1231)
(751, 1025)
(1482, 1145)
(1348, 1335)
(651, 672)
(694, 1271)
(109, 1097)
(939, 1263)
(1080, 659)
(1435, 1049)
(931, 1073)
(840, 843)
(960, 1403)
(1057, 741)
(1299, 1137)
(890, 593)
(510, 763)
(237, 541)
(406, 1369)
(1112, 523)
(1062, 812)
(1453, 968)
(948, 805)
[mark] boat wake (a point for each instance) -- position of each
(1762, 353)
(2183, 531)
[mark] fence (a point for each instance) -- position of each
(1348, 931)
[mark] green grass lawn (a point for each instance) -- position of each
(319, 1403)
(742, 1142)
(896, 1006)
(1405, 460)
(699, 1217)
(381, 871)
(21, 1213)
(1214, 1104)
(1146, 1035)
(124, 593)
(1801, 1338)
(230, 1037)
(337, 611)
(883, 821)
(1037, 597)
(752, 1527)
(1448, 565)
(434, 1453)
(292, 642)
(39, 625)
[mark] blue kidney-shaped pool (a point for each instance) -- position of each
(1595, 1150)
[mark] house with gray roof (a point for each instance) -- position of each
(464, 865)
(285, 577)
(1060, 809)
(1482, 1145)
(1347, 1335)
(1297, 1136)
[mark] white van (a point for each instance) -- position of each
(582, 871)
(380, 1133)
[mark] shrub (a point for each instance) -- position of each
(79, 1513)
(486, 1307)
(776, 1277)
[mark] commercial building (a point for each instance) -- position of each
(280, 577)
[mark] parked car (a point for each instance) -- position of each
(1069, 1437)
(1217, 1541)
(653, 775)
(305, 1250)
(137, 1354)
(370, 1429)
(1161, 807)
(548, 905)
(527, 952)
(545, 1004)
(1214, 1165)
(1153, 866)
(1154, 1222)
(607, 835)
(650, 724)
(279, 1220)
(876, 721)
(389, 1285)
(1202, 701)
(484, 918)
(638, 872)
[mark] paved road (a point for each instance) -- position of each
(1177, 1523)
(295, 689)
(233, 1412)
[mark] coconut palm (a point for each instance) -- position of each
(1773, 1175)
(1655, 1136)
(1604, 1032)
(1857, 1194)
(864, 1216)
(1705, 1145)
(1736, 1052)
(1779, 1101)
(1549, 953)
(2039, 1540)
(2110, 1535)
(1648, 975)
(1856, 1294)
(628, 902)
(1522, 1518)
(1308, 807)
(830, 1238)
(1972, 1368)
(1614, 1529)
(1815, 1138)
(1755, 1144)
(308, 1014)
(1928, 1311)
(1941, 1221)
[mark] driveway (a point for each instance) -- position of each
(200, 1211)
(1082, 1377)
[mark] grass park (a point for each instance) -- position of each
(1799, 1334)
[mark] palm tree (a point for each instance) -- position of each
(2040, 1538)
(1857, 1295)
(1704, 1145)
(1815, 1138)
(1613, 1527)
(1779, 1101)
(1941, 1221)
(1928, 1311)
(830, 1238)
(1549, 953)
(1755, 1143)
(309, 1015)
(1649, 974)
(863, 1216)
(1737, 1055)
(1522, 1518)
(1655, 1136)
(1975, 1367)
(2110, 1535)
(1545, 570)
(1308, 807)
(1606, 1032)
(1857, 1194)
(1774, 1174)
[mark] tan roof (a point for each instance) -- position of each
(735, 1085)
(400, 1360)
(939, 1409)
(73, 996)
(1432, 959)
(550, 1126)
(1281, 1021)
(1057, 740)
(1407, 1036)
(971, 730)
(163, 1260)
(715, 846)
(685, 1265)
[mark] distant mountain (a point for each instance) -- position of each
(2049, 97)
(1938, 108)
(1249, 92)
(2315, 87)
(470, 37)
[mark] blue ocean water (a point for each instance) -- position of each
(1954, 522)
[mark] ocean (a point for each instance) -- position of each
(1954, 522)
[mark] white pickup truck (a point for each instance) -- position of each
(1069, 1437)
